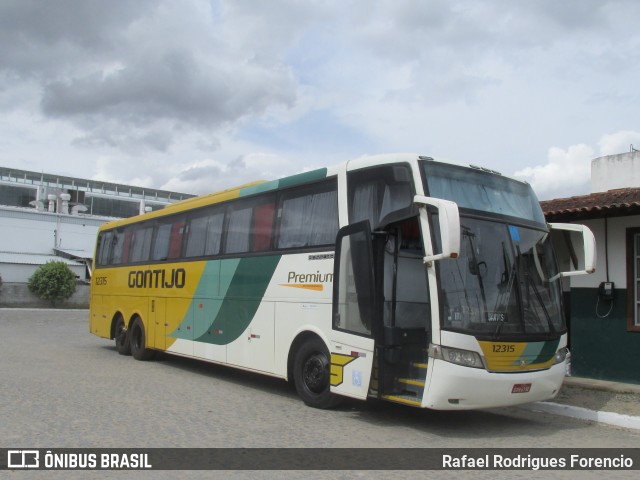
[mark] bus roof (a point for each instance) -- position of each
(305, 177)
(224, 195)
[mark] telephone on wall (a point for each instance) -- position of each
(605, 290)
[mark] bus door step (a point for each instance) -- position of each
(411, 400)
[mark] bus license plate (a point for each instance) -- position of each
(521, 388)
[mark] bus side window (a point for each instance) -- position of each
(117, 247)
(250, 224)
(141, 243)
(309, 217)
(175, 242)
(126, 248)
(161, 242)
(104, 245)
(263, 226)
(168, 239)
(238, 229)
(204, 233)
(378, 193)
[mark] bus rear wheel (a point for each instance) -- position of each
(121, 336)
(312, 372)
(138, 341)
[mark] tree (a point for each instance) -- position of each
(53, 281)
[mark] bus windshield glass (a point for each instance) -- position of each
(500, 287)
(480, 190)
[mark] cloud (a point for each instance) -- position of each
(38, 40)
(619, 142)
(566, 173)
(115, 170)
(169, 89)
(212, 175)
(131, 72)
(173, 92)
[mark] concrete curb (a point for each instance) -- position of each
(603, 385)
(609, 418)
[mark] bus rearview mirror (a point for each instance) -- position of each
(449, 223)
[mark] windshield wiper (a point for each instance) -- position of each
(552, 328)
(475, 271)
(508, 277)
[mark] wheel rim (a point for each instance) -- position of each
(315, 373)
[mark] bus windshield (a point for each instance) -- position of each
(481, 190)
(500, 287)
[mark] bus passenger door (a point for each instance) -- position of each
(354, 312)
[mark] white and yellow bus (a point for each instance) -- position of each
(397, 277)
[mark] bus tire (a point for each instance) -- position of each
(137, 340)
(312, 374)
(121, 336)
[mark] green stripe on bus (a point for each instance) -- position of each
(305, 177)
(224, 290)
(212, 288)
(291, 181)
(538, 352)
(247, 284)
(261, 187)
(547, 352)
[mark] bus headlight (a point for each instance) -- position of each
(561, 355)
(465, 358)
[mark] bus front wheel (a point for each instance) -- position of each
(312, 372)
(138, 339)
(121, 336)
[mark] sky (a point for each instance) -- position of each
(196, 96)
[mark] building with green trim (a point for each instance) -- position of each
(603, 309)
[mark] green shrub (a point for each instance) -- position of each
(53, 281)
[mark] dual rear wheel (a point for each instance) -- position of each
(132, 341)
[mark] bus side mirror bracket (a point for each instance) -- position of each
(588, 245)
(449, 221)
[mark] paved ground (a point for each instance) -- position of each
(62, 387)
(613, 397)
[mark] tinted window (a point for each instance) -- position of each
(309, 217)
(141, 243)
(376, 193)
(118, 247)
(238, 229)
(205, 233)
(479, 190)
(168, 239)
(250, 225)
(102, 250)
(263, 226)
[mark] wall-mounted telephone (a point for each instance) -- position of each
(605, 291)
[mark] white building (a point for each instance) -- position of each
(46, 217)
(604, 308)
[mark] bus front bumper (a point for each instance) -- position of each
(454, 387)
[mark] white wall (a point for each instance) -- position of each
(28, 231)
(20, 273)
(616, 251)
(615, 171)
